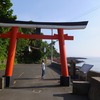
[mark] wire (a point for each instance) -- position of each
(86, 13)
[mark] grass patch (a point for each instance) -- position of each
(2, 66)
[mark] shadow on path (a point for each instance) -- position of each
(55, 67)
(42, 86)
(70, 96)
(51, 79)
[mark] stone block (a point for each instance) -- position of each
(81, 87)
(94, 93)
(2, 82)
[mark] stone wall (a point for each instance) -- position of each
(94, 92)
(92, 74)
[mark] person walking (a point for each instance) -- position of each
(43, 69)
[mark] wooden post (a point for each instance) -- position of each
(11, 55)
(64, 79)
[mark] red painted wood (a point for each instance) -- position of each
(63, 58)
(11, 52)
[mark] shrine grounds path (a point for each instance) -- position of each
(28, 85)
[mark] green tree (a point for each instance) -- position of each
(6, 13)
(23, 55)
(37, 48)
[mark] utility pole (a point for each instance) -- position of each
(51, 46)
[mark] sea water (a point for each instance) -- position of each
(95, 61)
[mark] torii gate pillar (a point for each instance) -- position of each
(64, 79)
(11, 55)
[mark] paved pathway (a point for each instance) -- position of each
(28, 85)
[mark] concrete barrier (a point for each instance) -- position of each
(2, 82)
(94, 92)
(91, 74)
(56, 67)
(81, 87)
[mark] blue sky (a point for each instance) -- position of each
(86, 42)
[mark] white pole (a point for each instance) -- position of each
(51, 47)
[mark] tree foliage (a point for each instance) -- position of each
(6, 13)
(37, 53)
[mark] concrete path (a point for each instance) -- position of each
(28, 85)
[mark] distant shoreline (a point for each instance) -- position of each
(75, 59)
(69, 59)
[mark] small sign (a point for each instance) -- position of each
(29, 48)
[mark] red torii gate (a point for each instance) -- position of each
(14, 35)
